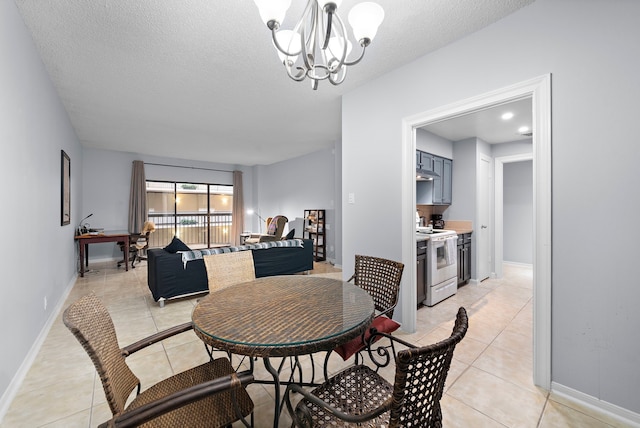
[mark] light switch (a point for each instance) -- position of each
(352, 198)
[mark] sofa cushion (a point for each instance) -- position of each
(176, 245)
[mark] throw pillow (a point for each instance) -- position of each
(290, 234)
(380, 323)
(176, 245)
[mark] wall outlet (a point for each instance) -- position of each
(352, 198)
(45, 303)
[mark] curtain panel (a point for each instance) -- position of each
(237, 221)
(137, 198)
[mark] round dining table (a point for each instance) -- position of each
(282, 316)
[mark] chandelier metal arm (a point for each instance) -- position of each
(280, 48)
(357, 60)
(299, 77)
(324, 49)
(327, 34)
(308, 57)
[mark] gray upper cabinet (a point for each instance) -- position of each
(424, 161)
(447, 179)
(439, 190)
(442, 185)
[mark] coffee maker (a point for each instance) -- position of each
(437, 221)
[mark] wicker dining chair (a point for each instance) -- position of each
(359, 396)
(381, 279)
(227, 269)
(209, 395)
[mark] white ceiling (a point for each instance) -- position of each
(199, 79)
(487, 124)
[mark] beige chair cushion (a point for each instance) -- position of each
(227, 269)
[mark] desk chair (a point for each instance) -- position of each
(138, 243)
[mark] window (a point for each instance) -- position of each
(199, 214)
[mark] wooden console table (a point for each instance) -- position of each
(86, 239)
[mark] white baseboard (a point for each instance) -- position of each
(628, 418)
(527, 265)
(15, 384)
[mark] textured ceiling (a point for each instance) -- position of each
(199, 79)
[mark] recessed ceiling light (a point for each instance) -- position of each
(508, 115)
(523, 129)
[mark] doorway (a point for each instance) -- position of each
(539, 90)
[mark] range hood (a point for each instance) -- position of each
(424, 175)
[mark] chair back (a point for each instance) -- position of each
(148, 227)
(91, 324)
(420, 377)
(141, 241)
(381, 279)
(276, 226)
(228, 269)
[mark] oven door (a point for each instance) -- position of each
(442, 257)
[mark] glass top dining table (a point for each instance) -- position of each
(280, 316)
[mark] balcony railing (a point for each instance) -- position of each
(199, 230)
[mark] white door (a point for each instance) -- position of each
(483, 230)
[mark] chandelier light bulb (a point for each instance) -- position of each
(365, 18)
(272, 10)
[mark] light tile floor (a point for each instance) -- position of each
(489, 384)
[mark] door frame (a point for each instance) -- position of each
(539, 90)
(478, 241)
(498, 254)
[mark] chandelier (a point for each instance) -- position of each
(318, 47)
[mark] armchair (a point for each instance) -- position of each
(211, 394)
(381, 279)
(360, 396)
(274, 231)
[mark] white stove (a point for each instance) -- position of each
(442, 264)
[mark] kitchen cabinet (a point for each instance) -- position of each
(424, 161)
(442, 185)
(439, 190)
(421, 271)
(464, 258)
(314, 228)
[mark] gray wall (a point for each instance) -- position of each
(434, 144)
(286, 188)
(306, 182)
(108, 179)
(518, 212)
(592, 70)
(38, 256)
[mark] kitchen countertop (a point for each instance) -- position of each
(461, 231)
(458, 226)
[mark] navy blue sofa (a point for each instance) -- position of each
(168, 277)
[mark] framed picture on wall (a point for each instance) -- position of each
(65, 212)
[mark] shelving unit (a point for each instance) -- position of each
(314, 228)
